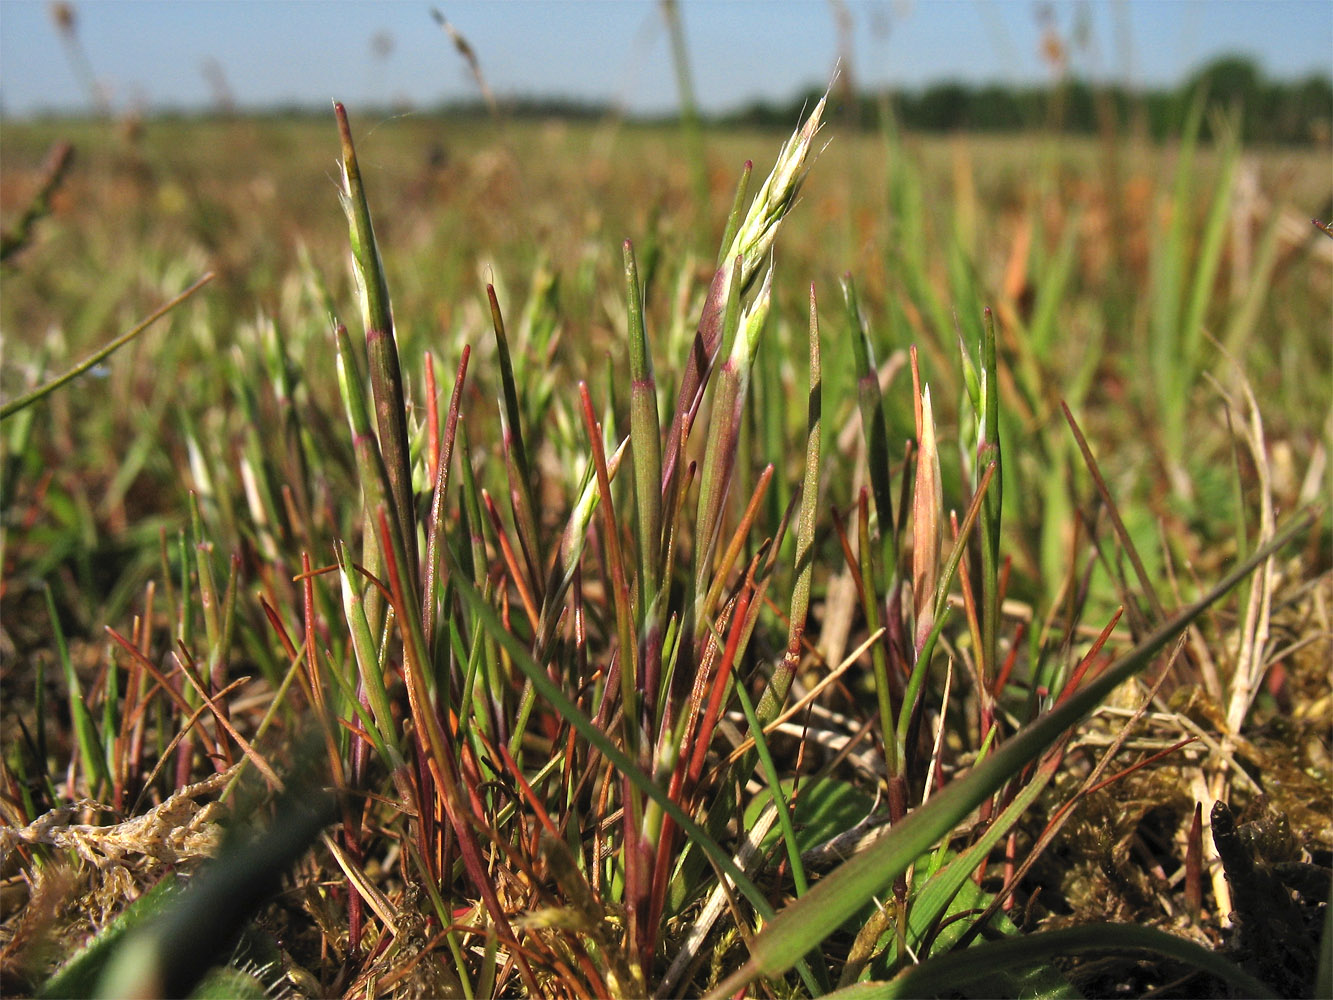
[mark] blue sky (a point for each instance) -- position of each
(153, 54)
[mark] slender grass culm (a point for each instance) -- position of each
(730, 625)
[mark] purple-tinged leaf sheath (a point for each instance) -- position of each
(698, 367)
(719, 449)
(750, 241)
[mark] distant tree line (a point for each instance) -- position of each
(1271, 111)
(1268, 111)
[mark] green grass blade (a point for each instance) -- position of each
(645, 427)
(94, 763)
(874, 426)
(734, 216)
(436, 526)
(690, 126)
(386, 378)
(941, 888)
(515, 451)
(1202, 289)
(628, 650)
(364, 649)
(871, 602)
(780, 683)
(820, 971)
(373, 477)
(775, 789)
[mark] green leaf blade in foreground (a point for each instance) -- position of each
(809, 920)
(953, 971)
(79, 976)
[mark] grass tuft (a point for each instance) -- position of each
(535, 684)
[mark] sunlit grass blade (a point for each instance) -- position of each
(364, 649)
(1202, 291)
(374, 480)
(645, 437)
(927, 524)
(735, 215)
(628, 650)
(386, 377)
(775, 789)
